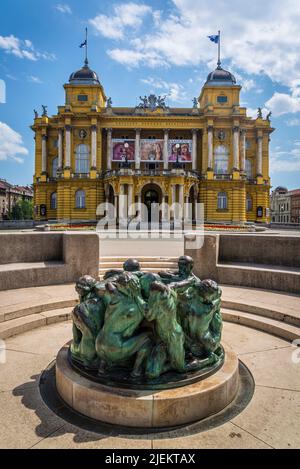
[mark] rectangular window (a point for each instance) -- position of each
(222, 99)
(82, 97)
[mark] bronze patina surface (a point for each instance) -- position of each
(144, 330)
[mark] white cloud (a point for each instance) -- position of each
(63, 8)
(175, 92)
(34, 79)
(282, 103)
(267, 43)
(132, 58)
(251, 112)
(285, 161)
(22, 49)
(11, 144)
(2, 91)
(128, 15)
(294, 122)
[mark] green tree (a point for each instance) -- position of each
(16, 212)
(22, 210)
(27, 209)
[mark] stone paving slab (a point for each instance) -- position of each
(227, 436)
(244, 340)
(25, 419)
(72, 437)
(274, 368)
(273, 415)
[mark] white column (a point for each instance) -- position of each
(210, 147)
(236, 137)
(194, 149)
(181, 200)
(259, 157)
(173, 201)
(44, 154)
(60, 149)
(68, 147)
(139, 210)
(165, 152)
(122, 202)
(137, 148)
(116, 205)
(93, 147)
(109, 148)
(130, 201)
(243, 150)
(185, 208)
(173, 193)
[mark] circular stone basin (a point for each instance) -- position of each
(148, 408)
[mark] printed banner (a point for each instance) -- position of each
(123, 150)
(151, 150)
(180, 150)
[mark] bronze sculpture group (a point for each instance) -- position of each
(147, 324)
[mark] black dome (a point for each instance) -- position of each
(84, 76)
(281, 190)
(221, 77)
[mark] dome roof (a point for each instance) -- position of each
(281, 189)
(220, 77)
(84, 76)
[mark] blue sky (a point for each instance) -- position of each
(151, 46)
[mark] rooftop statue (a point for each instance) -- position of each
(141, 327)
(152, 102)
(45, 110)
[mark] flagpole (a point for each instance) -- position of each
(86, 47)
(219, 49)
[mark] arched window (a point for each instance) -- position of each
(80, 199)
(221, 160)
(54, 167)
(82, 159)
(248, 203)
(222, 200)
(248, 168)
(53, 201)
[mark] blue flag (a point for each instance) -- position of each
(215, 38)
(83, 44)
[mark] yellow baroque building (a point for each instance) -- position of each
(91, 152)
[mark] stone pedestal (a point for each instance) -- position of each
(133, 408)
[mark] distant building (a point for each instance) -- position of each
(295, 206)
(10, 195)
(285, 205)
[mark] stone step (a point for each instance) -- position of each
(270, 326)
(31, 309)
(140, 258)
(23, 324)
(272, 277)
(111, 265)
(279, 313)
(27, 323)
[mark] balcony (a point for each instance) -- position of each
(150, 172)
(223, 177)
(79, 175)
